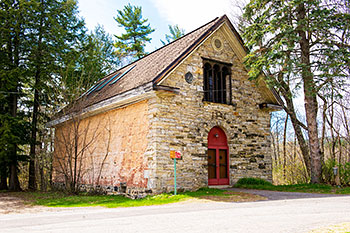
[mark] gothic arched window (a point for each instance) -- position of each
(217, 82)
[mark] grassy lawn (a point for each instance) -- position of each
(58, 199)
(252, 183)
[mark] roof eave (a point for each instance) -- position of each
(189, 50)
(130, 97)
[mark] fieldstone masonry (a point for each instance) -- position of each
(182, 122)
(142, 134)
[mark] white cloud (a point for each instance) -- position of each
(191, 14)
(100, 12)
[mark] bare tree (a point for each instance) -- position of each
(107, 146)
(73, 138)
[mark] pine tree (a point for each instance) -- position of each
(43, 43)
(175, 33)
(13, 127)
(299, 44)
(54, 27)
(90, 60)
(133, 41)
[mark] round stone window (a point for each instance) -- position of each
(189, 77)
(217, 43)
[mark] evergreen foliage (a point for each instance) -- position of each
(13, 51)
(133, 41)
(300, 45)
(44, 50)
(175, 33)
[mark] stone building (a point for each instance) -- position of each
(192, 96)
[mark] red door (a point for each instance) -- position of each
(218, 164)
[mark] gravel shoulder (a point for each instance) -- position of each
(12, 204)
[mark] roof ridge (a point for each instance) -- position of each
(192, 46)
(187, 34)
(154, 51)
(164, 46)
(138, 60)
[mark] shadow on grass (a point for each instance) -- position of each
(306, 188)
(257, 183)
(58, 199)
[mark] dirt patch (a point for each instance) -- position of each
(231, 196)
(11, 203)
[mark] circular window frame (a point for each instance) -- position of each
(213, 44)
(189, 77)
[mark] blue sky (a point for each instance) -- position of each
(188, 14)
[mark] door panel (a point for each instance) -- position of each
(218, 160)
(223, 163)
(211, 163)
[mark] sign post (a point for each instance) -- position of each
(175, 155)
(174, 176)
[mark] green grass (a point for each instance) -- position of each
(252, 183)
(57, 199)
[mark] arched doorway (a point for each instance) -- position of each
(218, 163)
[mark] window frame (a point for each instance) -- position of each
(217, 83)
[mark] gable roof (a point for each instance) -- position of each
(150, 69)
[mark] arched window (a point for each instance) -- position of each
(208, 82)
(217, 82)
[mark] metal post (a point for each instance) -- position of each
(174, 176)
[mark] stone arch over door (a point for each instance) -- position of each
(218, 159)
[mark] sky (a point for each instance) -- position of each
(188, 14)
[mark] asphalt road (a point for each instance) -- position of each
(286, 215)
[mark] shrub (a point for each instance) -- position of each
(253, 181)
(327, 171)
(344, 172)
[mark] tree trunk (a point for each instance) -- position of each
(32, 178)
(284, 147)
(14, 53)
(3, 177)
(285, 91)
(315, 152)
(43, 185)
(298, 132)
(14, 183)
(310, 101)
(278, 143)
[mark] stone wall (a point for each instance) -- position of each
(182, 122)
(133, 142)
(116, 142)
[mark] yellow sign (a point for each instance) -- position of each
(175, 154)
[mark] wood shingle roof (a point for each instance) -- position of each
(150, 68)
